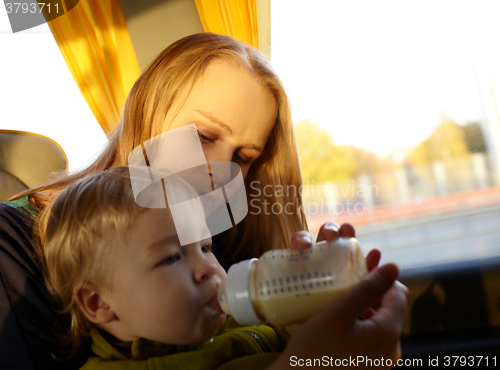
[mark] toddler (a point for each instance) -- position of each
(147, 302)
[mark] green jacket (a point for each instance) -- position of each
(234, 347)
(24, 206)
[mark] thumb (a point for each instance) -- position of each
(364, 294)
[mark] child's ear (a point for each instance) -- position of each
(93, 307)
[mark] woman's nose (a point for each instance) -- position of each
(221, 152)
(220, 164)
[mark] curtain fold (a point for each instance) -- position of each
(95, 43)
(245, 20)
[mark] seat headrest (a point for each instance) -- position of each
(27, 160)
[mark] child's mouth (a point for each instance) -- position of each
(214, 304)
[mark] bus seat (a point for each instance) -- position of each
(27, 160)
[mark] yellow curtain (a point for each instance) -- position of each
(246, 20)
(94, 41)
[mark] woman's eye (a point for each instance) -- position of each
(238, 159)
(208, 248)
(170, 260)
(203, 138)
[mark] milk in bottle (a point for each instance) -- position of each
(288, 286)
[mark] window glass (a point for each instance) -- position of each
(38, 93)
(396, 109)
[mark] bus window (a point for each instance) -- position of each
(397, 121)
(39, 94)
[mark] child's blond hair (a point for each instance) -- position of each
(82, 227)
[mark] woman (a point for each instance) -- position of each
(241, 111)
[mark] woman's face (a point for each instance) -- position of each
(233, 112)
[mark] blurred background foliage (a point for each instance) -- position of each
(442, 163)
(322, 161)
(448, 140)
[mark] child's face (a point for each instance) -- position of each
(161, 291)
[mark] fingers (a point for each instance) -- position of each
(301, 240)
(328, 231)
(368, 313)
(362, 296)
(393, 308)
(372, 259)
(347, 231)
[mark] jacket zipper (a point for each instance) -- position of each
(258, 339)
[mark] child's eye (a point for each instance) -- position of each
(204, 139)
(170, 260)
(207, 248)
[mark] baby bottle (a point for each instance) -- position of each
(288, 286)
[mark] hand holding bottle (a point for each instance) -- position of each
(331, 231)
(337, 331)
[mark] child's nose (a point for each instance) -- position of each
(204, 270)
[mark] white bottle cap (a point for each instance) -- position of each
(238, 293)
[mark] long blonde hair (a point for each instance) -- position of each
(176, 68)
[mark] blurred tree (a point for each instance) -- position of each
(368, 163)
(322, 161)
(316, 153)
(447, 141)
(474, 138)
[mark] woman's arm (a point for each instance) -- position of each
(29, 324)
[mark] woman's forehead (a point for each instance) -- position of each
(230, 97)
